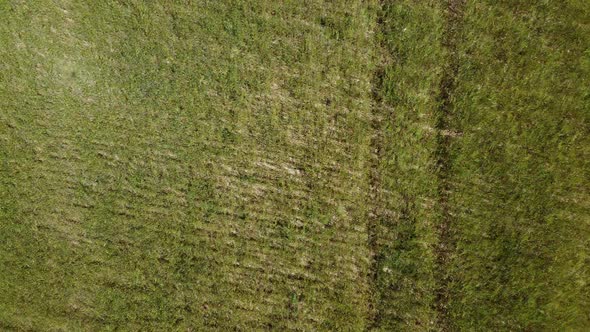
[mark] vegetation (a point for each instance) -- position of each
(176, 166)
(294, 165)
(520, 169)
(406, 211)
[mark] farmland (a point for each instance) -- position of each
(309, 165)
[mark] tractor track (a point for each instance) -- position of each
(446, 133)
(375, 177)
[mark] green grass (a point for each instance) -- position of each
(294, 165)
(520, 169)
(174, 166)
(412, 66)
(515, 180)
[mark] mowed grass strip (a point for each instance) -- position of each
(174, 165)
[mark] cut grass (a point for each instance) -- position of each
(169, 166)
(294, 165)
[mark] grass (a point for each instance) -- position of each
(184, 166)
(484, 170)
(294, 165)
(405, 213)
(520, 168)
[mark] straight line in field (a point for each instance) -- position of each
(445, 246)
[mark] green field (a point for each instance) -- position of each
(294, 165)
